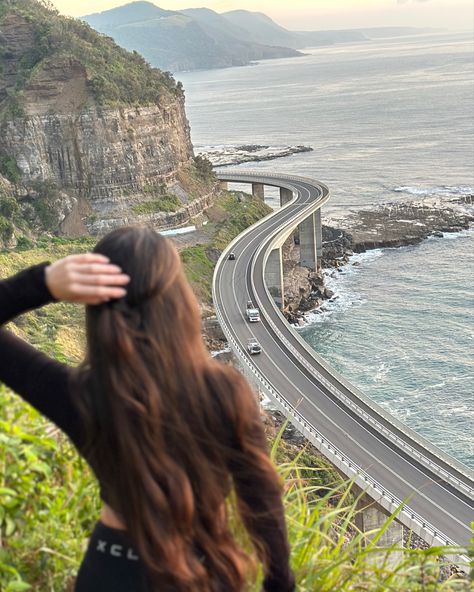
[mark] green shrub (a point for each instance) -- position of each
(6, 229)
(165, 203)
(203, 166)
(239, 216)
(48, 501)
(45, 204)
(9, 207)
(9, 169)
(24, 243)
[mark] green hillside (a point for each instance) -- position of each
(115, 76)
(182, 40)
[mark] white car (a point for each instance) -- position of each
(253, 346)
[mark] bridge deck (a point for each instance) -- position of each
(438, 489)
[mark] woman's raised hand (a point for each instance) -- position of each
(86, 279)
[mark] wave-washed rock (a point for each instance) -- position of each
(387, 225)
(225, 155)
(403, 224)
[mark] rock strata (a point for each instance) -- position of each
(110, 161)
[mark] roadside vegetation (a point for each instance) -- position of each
(164, 203)
(49, 503)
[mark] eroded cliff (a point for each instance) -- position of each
(91, 136)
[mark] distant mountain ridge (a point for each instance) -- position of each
(262, 27)
(200, 38)
(182, 40)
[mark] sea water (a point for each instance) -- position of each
(389, 120)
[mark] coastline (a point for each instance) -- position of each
(390, 225)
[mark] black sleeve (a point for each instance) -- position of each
(37, 378)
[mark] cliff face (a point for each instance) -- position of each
(104, 160)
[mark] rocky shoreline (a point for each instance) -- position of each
(226, 155)
(388, 225)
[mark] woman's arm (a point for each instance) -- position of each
(39, 379)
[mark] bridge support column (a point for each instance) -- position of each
(224, 185)
(258, 190)
(372, 517)
(274, 277)
(319, 237)
(286, 195)
(308, 250)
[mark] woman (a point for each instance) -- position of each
(168, 432)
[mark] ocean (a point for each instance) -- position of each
(388, 120)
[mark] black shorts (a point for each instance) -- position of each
(110, 564)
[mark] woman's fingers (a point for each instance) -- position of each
(87, 278)
(90, 268)
(105, 278)
(97, 292)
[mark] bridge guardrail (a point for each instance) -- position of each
(386, 499)
(376, 409)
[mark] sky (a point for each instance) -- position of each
(318, 14)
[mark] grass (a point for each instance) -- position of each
(49, 503)
(230, 214)
(164, 203)
(238, 214)
(199, 270)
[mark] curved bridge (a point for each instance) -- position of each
(392, 463)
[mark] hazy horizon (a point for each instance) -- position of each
(323, 14)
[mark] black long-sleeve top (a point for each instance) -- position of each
(47, 385)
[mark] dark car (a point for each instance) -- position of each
(231, 256)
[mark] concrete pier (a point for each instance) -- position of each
(274, 276)
(319, 238)
(308, 250)
(258, 189)
(224, 185)
(286, 195)
(370, 518)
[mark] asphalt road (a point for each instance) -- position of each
(296, 373)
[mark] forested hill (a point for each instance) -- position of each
(182, 40)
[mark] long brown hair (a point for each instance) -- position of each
(166, 424)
